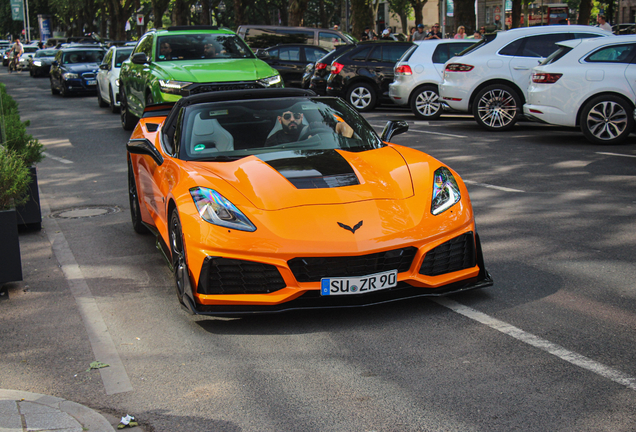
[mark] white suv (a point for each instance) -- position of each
(419, 72)
(492, 78)
(591, 84)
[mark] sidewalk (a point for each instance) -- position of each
(23, 411)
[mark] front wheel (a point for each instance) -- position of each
(177, 250)
(54, 91)
(100, 100)
(362, 97)
(128, 121)
(113, 108)
(495, 107)
(133, 198)
(426, 104)
(607, 120)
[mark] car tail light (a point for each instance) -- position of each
(403, 70)
(321, 66)
(457, 67)
(336, 68)
(545, 78)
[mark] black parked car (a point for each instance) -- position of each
(290, 60)
(362, 76)
(316, 74)
(40, 64)
(74, 70)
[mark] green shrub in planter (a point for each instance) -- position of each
(15, 136)
(14, 179)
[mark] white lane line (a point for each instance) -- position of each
(501, 188)
(615, 154)
(537, 342)
(114, 377)
(55, 158)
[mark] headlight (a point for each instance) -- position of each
(216, 209)
(173, 87)
(69, 75)
(445, 191)
(274, 81)
(37, 63)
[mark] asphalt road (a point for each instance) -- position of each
(550, 347)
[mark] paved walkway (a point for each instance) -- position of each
(24, 412)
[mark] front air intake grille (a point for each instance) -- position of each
(89, 75)
(232, 276)
(312, 269)
(225, 86)
(456, 254)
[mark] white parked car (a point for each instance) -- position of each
(491, 79)
(108, 76)
(587, 83)
(419, 72)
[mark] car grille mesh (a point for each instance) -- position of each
(312, 269)
(213, 87)
(232, 276)
(88, 75)
(453, 255)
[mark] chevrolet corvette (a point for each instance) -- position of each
(268, 200)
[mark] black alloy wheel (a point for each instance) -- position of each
(133, 198)
(426, 103)
(495, 107)
(100, 100)
(54, 91)
(607, 120)
(128, 121)
(362, 97)
(177, 251)
(63, 89)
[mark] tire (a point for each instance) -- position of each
(426, 104)
(133, 198)
(362, 97)
(496, 107)
(607, 120)
(63, 90)
(113, 108)
(149, 100)
(100, 101)
(128, 121)
(54, 91)
(31, 73)
(178, 254)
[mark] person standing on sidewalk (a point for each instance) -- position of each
(419, 34)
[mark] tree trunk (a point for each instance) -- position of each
(465, 15)
(585, 9)
(239, 13)
(516, 14)
(417, 9)
(159, 10)
(360, 17)
(297, 10)
(323, 15)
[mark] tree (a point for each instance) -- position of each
(159, 8)
(516, 14)
(361, 17)
(402, 8)
(297, 10)
(465, 14)
(585, 8)
(418, 5)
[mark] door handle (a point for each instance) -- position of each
(521, 68)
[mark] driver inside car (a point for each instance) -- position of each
(291, 126)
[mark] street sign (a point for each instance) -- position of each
(140, 19)
(17, 11)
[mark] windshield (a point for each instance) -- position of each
(122, 55)
(201, 46)
(73, 57)
(225, 131)
(45, 53)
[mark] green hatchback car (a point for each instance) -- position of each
(181, 61)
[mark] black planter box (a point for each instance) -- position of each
(29, 214)
(10, 261)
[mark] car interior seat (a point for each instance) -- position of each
(208, 136)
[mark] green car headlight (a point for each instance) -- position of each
(273, 81)
(173, 87)
(216, 209)
(70, 75)
(445, 191)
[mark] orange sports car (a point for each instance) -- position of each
(269, 200)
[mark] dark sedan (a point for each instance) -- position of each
(40, 64)
(362, 76)
(74, 70)
(290, 60)
(316, 75)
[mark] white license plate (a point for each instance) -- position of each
(91, 82)
(358, 285)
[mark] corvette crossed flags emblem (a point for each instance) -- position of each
(348, 228)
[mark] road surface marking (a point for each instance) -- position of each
(114, 377)
(615, 154)
(537, 342)
(55, 158)
(489, 186)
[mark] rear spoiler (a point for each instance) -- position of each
(158, 110)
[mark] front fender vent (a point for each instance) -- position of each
(453, 255)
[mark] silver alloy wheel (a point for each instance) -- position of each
(427, 103)
(606, 120)
(497, 108)
(360, 97)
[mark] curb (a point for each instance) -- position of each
(45, 412)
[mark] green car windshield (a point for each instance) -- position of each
(226, 131)
(201, 46)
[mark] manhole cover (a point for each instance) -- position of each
(84, 212)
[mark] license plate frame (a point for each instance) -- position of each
(330, 286)
(91, 82)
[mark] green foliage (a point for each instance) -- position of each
(14, 179)
(15, 134)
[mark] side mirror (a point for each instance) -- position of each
(262, 54)
(392, 128)
(139, 58)
(103, 66)
(144, 147)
